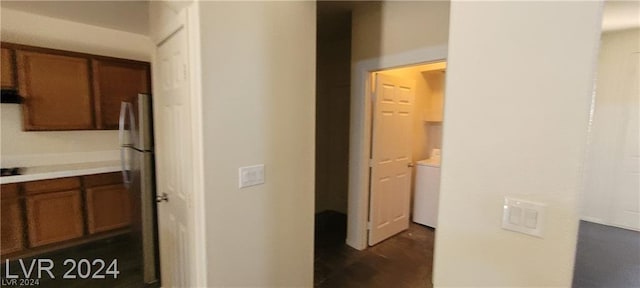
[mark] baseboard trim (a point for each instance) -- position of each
(603, 222)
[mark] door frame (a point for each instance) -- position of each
(360, 136)
(185, 15)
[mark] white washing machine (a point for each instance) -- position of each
(427, 189)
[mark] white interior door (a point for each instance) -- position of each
(393, 100)
(626, 189)
(174, 161)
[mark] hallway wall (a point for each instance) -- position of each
(516, 120)
(332, 110)
(391, 27)
(258, 73)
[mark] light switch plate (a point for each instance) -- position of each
(523, 216)
(251, 175)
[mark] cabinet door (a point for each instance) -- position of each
(108, 208)
(12, 222)
(56, 91)
(435, 98)
(7, 74)
(116, 81)
(54, 217)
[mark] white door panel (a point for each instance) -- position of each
(391, 155)
(173, 167)
(627, 189)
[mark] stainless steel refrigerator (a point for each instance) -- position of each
(137, 157)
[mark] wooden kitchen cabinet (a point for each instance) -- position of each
(64, 90)
(56, 91)
(7, 74)
(12, 226)
(115, 81)
(108, 202)
(435, 99)
(54, 211)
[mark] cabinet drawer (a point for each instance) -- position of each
(53, 185)
(54, 217)
(108, 208)
(103, 179)
(12, 226)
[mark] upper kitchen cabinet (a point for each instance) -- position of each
(435, 80)
(65, 90)
(115, 81)
(56, 91)
(8, 69)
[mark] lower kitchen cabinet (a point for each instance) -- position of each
(108, 202)
(53, 216)
(108, 208)
(45, 215)
(12, 233)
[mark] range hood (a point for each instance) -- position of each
(10, 96)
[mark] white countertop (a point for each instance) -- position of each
(60, 171)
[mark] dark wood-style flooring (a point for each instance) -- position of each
(607, 256)
(121, 248)
(405, 260)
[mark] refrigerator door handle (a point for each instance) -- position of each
(126, 175)
(123, 112)
(132, 127)
(124, 107)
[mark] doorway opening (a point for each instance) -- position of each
(407, 255)
(609, 230)
(403, 250)
(406, 140)
(333, 82)
(404, 174)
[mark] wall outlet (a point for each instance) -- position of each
(251, 175)
(523, 216)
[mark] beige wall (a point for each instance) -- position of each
(44, 148)
(258, 73)
(516, 119)
(609, 198)
(332, 111)
(392, 27)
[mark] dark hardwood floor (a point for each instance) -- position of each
(607, 256)
(120, 248)
(404, 260)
